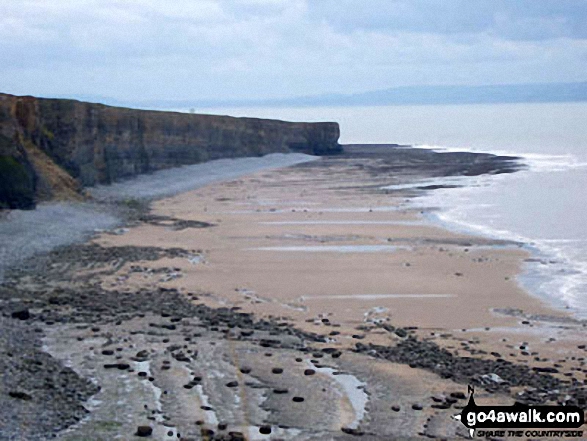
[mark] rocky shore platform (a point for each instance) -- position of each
(108, 340)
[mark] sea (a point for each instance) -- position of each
(544, 205)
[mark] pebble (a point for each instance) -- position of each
(144, 431)
(23, 314)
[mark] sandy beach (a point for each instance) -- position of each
(322, 242)
(299, 303)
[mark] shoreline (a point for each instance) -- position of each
(531, 278)
(549, 269)
(201, 286)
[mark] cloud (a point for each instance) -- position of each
(206, 49)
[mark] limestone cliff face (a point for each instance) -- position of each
(51, 147)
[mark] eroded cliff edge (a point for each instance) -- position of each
(51, 148)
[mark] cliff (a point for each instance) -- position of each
(50, 148)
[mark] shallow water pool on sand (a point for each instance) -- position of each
(334, 249)
(349, 222)
(361, 297)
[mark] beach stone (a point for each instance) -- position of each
(265, 430)
(120, 366)
(277, 370)
(351, 431)
(549, 370)
(22, 314)
(232, 384)
(142, 355)
(309, 372)
(144, 431)
(19, 395)
(297, 399)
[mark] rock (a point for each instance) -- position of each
(265, 430)
(232, 384)
(350, 431)
(549, 370)
(19, 395)
(309, 372)
(144, 431)
(142, 355)
(22, 314)
(120, 366)
(297, 399)
(277, 370)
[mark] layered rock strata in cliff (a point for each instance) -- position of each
(50, 148)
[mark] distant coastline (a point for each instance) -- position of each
(403, 95)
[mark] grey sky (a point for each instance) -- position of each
(230, 49)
